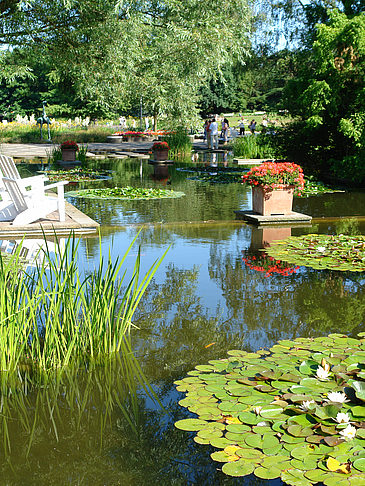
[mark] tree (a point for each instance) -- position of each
(328, 94)
(163, 51)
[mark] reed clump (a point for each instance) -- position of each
(179, 142)
(253, 147)
(51, 316)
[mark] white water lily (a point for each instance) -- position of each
(348, 433)
(257, 410)
(342, 418)
(322, 374)
(321, 248)
(337, 397)
(306, 405)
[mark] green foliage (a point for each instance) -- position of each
(283, 412)
(128, 192)
(328, 97)
(339, 252)
(253, 147)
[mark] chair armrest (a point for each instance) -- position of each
(56, 184)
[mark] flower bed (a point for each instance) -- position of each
(295, 411)
(335, 252)
(131, 193)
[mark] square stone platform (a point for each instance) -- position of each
(277, 219)
(76, 222)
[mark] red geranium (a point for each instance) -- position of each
(160, 146)
(271, 175)
(69, 145)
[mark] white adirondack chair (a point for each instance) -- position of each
(9, 169)
(35, 204)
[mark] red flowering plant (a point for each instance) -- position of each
(268, 265)
(160, 146)
(69, 145)
(274, 175)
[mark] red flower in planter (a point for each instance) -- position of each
(271, 175)
(69, 145)
(160, 146)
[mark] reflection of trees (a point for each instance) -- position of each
(302, 304)
(335, 204)
(175, 328)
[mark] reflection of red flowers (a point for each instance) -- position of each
(268, 265)
(271, 175)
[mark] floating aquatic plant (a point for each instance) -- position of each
(274, 414)
(126, 193)
(335, 252)
(77, 174)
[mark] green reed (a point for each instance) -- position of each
(51, 316)
(179, 142)
(253, 147)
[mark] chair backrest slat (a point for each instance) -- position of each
(16, 195)
(8, 167)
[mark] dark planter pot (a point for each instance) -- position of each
(161, 154)
(68, 155)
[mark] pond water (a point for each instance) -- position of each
(114, 424)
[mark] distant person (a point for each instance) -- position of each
(147, 123)
(207, 129)
(264, 125)
(213, 134)
(252, 126)
(225, 128)
(241, 126)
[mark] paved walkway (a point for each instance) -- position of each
(43, 150)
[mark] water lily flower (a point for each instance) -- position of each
(306, 405)
(321, 249)
(337, 397)
(257, 410)
(342, 418)
(348, 433)
(322, 374)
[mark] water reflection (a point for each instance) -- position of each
(101, 427)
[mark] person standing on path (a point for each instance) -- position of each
(225, 128)
(252, 126)
(213, 134)
(241, 126)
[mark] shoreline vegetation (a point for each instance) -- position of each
(56, 317)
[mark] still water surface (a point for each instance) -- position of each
(102, 427)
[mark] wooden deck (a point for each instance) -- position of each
(76, 222)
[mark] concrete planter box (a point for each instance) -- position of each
(269, 202)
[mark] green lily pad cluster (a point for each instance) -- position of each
(128, 192)
(312, 187)
(295, 412)
(77, 174)
(335, 252)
